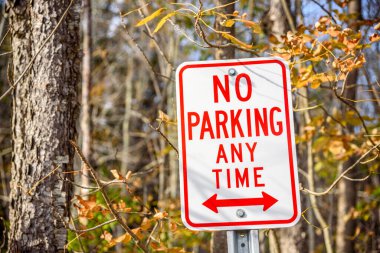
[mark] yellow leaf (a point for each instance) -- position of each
(151, 17)
(377, 27)
(123, 238)
(336, 147)
(273, 39)
(315, 83)
(256, 28)
(228, 23)
(163, 21)
(236, 41)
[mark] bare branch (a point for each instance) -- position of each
(93, 228)
(341, 175)
(325, 10)
(107, 200)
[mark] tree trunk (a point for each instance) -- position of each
(226, 52)
(347, 189)
(85, 120)
(44, 114)
(289, 239)
(219, 238)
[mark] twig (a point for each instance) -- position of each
(157, 129)
(288, 16)
(4, 233)
(78, 236)
(357, 179)
(341, 175)
(107, 200)
(325, 10)
(357, 113)
(38, 51)
(5, 35)
(152, 233)
(30, 191)
(5, 53)
(93, 228)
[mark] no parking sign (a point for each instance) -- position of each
(238, 167)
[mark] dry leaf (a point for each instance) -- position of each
(374, 37)
(151, 17)
(228, 23)
(160, 215)
(236, 41)
(163, 21)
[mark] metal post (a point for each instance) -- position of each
(243, 241)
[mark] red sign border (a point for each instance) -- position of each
(184, 168)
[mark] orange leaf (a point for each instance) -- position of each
(374, 37)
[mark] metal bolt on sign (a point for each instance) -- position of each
(232, 72)
(240, 213)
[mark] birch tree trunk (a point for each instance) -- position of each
(44, 114)
(85, 121)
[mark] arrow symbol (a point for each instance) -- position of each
(266, 201)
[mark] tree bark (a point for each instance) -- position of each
(226, 52)
(44, 114)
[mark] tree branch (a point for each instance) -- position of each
(341, 175)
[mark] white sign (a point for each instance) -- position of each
(238, 167)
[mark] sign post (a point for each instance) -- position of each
(243, 241)
(238, 166)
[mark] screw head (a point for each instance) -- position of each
(240, 213)
(232, 72)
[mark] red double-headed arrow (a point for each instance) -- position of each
(266, 201)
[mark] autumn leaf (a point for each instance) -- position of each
(163, 117)
(160, 215)
(151, 17)
(146, 224)
(125, 238)
(256, 28)
(377, 26)
(172, 226)
(163, 21)
(106, 236)
(236, 41)
(88, 207)
(374, 38)
(336, 147)
(228, 23)
(273, 39)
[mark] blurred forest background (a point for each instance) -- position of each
(88, 132)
